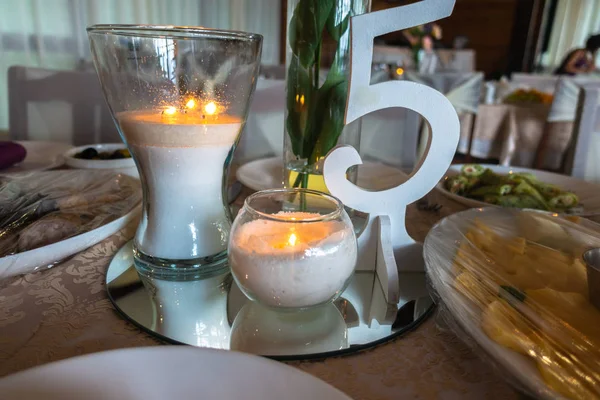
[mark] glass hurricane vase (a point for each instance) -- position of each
(180, 97)
(318, 67)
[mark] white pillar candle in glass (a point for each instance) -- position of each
(179, 153)
(292, 259)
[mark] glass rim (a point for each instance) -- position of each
(339, 206)
(170, 31)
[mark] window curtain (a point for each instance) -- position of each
(574, 22)
(51, 33)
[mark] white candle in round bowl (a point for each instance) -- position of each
(181, 157)
(293, 264)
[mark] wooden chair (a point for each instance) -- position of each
(582, 158)
(68, 107)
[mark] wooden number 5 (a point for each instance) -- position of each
(389, 206)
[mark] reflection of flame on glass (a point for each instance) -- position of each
(191, 103)
(399, 71)
(292, 239)
(210, 108)
(170, 110)
(300, 99)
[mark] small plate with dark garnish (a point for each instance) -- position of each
(101, 156)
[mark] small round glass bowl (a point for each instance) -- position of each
(292, 248)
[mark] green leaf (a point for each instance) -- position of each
(333, 103)
(299, 94)
(306, 28)
(337, 29)
(336, 74)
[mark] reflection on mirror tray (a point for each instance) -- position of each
(214, 313)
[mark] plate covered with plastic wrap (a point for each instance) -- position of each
(513, 284)
(48, 216)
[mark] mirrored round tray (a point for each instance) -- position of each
(214, 313)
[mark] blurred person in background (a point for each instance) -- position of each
(580, 61)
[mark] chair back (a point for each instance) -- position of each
(582, 159)
(457, 60)
(564, 104)
(264, 128)
(272, 72)
(463, 90)
(390, 135)
(62, 106)
(445, 82)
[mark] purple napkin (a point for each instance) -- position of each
(11, 153)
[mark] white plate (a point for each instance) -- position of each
(40, 156)
(47, 256)
(588, 192)
(267, 173)
(122, 165)
(522, 368)
(71, 161)
(173, 372)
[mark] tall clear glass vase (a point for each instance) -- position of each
(318, 66)
(180, 97)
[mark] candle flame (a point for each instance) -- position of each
(170, 110)
(210, 108)
(292, 239)
(191, 103)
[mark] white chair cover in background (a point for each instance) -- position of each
(263, 132)
(582, 159)
(272, 72)
(463, 90)
(59, 106)
(428, 62)
(51, 34)
(457, 60)
(559, 130)
(390, 135)
(564, 104)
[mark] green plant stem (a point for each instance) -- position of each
(302, 178)
(305, 180)
(317, 65)
(297, 181)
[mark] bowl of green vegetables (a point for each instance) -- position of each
(477, 185)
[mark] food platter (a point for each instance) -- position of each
(464, 307)
(48, 216)
(586, 191)
(122, 165)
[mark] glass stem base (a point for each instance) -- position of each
(180, 270)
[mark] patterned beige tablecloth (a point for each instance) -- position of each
(64, 312)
